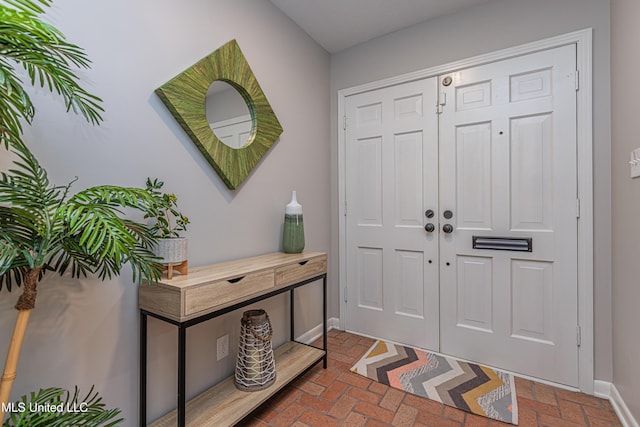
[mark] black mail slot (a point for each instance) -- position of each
(520, 244)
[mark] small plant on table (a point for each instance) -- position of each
(167, 224)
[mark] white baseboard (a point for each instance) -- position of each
(602, 389)
(333, 323)
(621, 408)
(607, 390)
(315, 333)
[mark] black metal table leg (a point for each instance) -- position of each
(182, 372)
(324, 320)
(143, 370)
(291, 321)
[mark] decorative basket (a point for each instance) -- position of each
(255, 366)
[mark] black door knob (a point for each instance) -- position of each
(447, 228)
(448, 214)
(429, 227)
(429, 213)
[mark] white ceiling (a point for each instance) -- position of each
(339, 24)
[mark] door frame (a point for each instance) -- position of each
(583, 41)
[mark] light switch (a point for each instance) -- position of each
(634, 163)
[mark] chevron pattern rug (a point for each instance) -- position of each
(466, 386)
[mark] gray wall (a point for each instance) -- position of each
(86, 332)
(496, 25)
(625, 111)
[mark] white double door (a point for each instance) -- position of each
(487, 157)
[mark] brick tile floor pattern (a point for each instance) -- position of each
(337, 397)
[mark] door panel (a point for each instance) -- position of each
(532, 287)
(408, 181)
(473, 170)
(475, 293)
(508, 169)
(368, 164)
(392, 172)
(409, 297)
(532, 172)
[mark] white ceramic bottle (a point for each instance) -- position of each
(293, 235)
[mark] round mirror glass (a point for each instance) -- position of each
(228, 114)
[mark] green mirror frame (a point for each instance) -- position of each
(185, 97)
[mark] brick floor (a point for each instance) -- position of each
(337, 397)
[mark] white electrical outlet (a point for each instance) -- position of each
(223, 347)
(634, 163)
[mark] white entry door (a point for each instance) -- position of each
(508, 171)
(392, 175)
(233, 132)
(496, 281)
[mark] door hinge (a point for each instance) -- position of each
(577, 74)
(577, 208)
(346, 292)
(578, 335)
(344, 122)
(345, 208)
(442, 101)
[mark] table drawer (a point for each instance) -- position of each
(223, 291)
(294, 273)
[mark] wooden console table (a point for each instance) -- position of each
(210, 291)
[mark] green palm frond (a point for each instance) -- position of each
(15, 236)
(89, 233)
(27, 181)
(49, 60)
(27, 189)
(95, 213)
(29, 5)
(29, 202)
(35, 410)
(8, 253)
(145, 265)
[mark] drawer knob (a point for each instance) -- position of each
(236, 280)
(303, 262)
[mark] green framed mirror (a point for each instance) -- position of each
(186, 96)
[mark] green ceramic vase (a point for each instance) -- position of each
(293, 234)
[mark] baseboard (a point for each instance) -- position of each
(602, 389)
(606, 390)
(333, 323)
(621, 408)
(316, 332)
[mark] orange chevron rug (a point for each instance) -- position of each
(466, 386)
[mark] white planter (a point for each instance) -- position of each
(172, 250)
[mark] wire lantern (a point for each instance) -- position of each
(255, 365)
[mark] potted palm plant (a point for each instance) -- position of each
(167, 223)
(43, 228)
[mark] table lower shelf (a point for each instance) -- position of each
(225, 405)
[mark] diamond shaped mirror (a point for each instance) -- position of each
(186, 97)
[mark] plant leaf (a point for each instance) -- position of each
(49, 60)
(88, 410)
